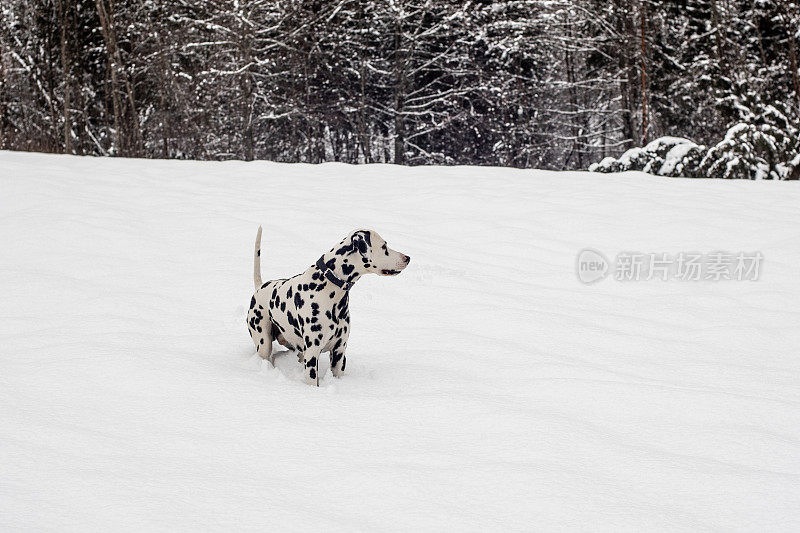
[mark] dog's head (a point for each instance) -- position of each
(365, 252)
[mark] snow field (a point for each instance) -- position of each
(486, 388)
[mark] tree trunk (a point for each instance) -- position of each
(399, 95)
(106, 15)
(66, 71)
(622, 15)
(793, 63)
(112, 73)
(643, 21)
(3, 83)
(164, 86)
(363, 135)
(786, 18)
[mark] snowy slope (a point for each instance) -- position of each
(486, 388)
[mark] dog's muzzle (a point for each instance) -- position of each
(392, 272)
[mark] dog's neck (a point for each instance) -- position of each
(341, 267)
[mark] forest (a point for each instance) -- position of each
(550, 84)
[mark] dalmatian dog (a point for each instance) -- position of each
(309, 312)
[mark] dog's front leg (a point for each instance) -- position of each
(338, 360)
(311, 365)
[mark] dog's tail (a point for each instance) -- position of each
(257, 261)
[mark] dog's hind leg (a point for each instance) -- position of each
(264, 346)
(259, 324)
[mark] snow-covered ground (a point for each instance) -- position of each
(486, 387)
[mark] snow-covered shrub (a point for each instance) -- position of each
(665, 156)
(608, 164)
(682, 160)
(764, 145)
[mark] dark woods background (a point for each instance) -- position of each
(550, 84)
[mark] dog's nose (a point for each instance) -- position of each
(406, 259)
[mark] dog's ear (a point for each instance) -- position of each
(361, 242)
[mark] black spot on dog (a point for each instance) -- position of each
(347, 269)
(312, 373)
(252, 302)
(262, 341)
(344, 362)
(289, 294)
(311, 362)
(316, 327)
(305, 287)
(312, 285)
(332, 295)
(345, 249)
(298, 301)
(283, 306)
